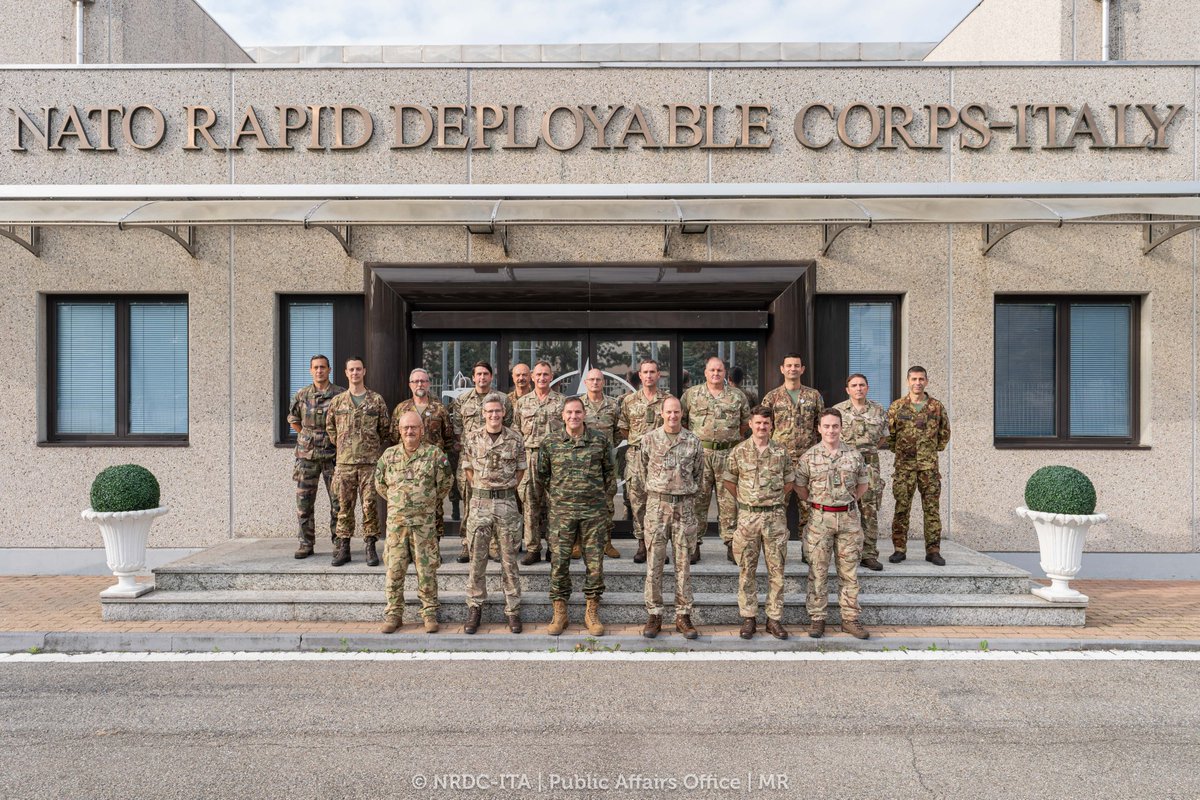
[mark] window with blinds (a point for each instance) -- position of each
(119, 369)
(856, 333)
(310, 325)
(871, 347)
(310, 333)
(1065, 371)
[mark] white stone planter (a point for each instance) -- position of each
(1060, 540)
(125, 534)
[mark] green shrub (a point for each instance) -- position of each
(127, 487)
(1060, 490)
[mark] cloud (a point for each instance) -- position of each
(314, 22)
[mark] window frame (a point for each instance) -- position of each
(122, 437)
(836, 307)
(1063, 440)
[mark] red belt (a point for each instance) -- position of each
(820, 507)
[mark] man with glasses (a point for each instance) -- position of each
(436, 417)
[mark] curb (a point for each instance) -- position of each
(80, 642)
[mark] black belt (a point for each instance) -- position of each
(717, 445)
(746, 507)
(672, 498)
(494, 494)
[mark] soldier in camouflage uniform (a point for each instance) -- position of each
(796, 407)
(641, 412)
(864, 426)
(600, 414)
(719, 415)
(737, 377)
(414, 477)
(466, 415)
(495, 461)
(673, 462)
(522, 384)
(436, 416)
(537, 415)
(831, 476)
(314, 452)
(759, 475)
(357, 423)
(576, 469)
(918, 429)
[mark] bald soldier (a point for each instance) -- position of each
(600, 414)
(436, 417)
(522, 383)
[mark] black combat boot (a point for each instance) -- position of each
(372, 555)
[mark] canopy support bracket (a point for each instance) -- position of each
(31, 241)
(183, 235)
(994, 232)
(343, 234)
(1166, 232)
(830, 231)
(666, 238)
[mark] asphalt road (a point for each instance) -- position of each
(1052, 729)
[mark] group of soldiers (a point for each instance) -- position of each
(540, 462)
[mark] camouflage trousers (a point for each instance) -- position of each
(868, 508)
(464, 489)
(764, 531)
(905, 480)
(533, 504)
(710, 479)
(309, 474)
(669, 517)
(635, 491)
(497, 518)
(835, 535)
(356, 483)
(411, 542)
(563, 530)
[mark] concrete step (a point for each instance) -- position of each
(618, 608)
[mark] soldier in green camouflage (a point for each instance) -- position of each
(495, 461)
(357, 423)
(641, 412)
(918, 429)
(466, 415)
(537, 415)
(414, 477)
(600, 414)
(673, 462)
(719, 415)
(576, 469)
(315, 453)
(831, 477)
(796, 407)
(759, 475)
(864, 426)
(436, 415)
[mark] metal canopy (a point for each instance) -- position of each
(1164, 209)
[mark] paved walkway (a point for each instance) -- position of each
(1121, 613)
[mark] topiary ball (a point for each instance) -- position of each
(1060, 490)
(127, 487)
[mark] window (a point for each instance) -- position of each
(118, 370)
(856, 334)
(1066, 371)
(331, 326)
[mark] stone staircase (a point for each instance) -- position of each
(258, 579)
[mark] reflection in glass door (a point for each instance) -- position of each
(741, 357)
(565, 355)
(618, 357)
(450, 363)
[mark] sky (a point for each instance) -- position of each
(342, 22)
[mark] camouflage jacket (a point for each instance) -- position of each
(360, 433)
(437, 422)
(672, 467)
(513, 398)
(751, 397)
(414, 485)
(916, 437)
(496, 464)
(466, 413)
(864, 429)
(831, 479)
(715, 419)
(537, 418)
(602, 417)
(639, 416)
(760, 477)
(578, 474)
(795, 422)
(308, 410)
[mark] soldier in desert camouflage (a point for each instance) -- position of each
(864, 427)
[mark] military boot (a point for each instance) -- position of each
(576, 552)
(776, 629)
(464, 556)
(431, 625)
(611, 551)
(855, 629)
(749, 625)
(514, 623)
(695, 559)
(591, 617)
(532, 556)
(391, 624)
(872, 564)
(472, 623)
(372, 554)
(816, 628)
(683, 624)
(304, 550)
(640, 556)
(729, 552)
(558, 623)
(341, 553)
(653, 626)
